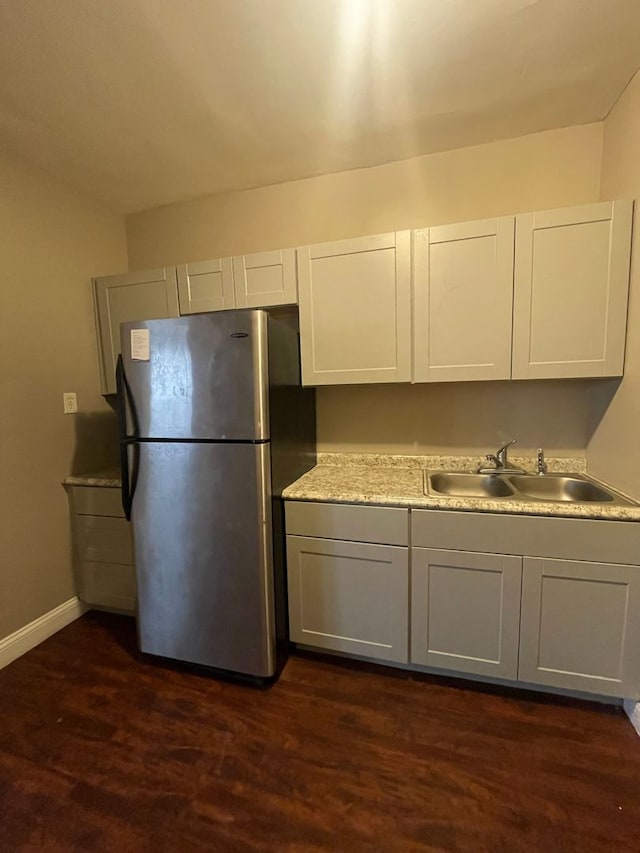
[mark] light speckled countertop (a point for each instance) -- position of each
(108, 478)
(398, 481)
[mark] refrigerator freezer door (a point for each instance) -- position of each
(199, 377)
(202, 531)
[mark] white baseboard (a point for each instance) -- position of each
(632, 709)
(27, 638)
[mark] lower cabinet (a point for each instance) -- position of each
(581, 626)
(557, 619)
(103, 549)
(349, 597)
(465, 611)
(562, 623)
(348, 578)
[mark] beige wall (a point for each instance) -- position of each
(53, 240)
(541, 170)
(470, 418)
(614, 450)
(551, 169)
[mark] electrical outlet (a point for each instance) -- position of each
(70, 402)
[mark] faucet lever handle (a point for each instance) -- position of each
(501, 453)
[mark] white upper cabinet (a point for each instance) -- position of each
(206, 286)
(265, 278)
(355, 324)
(246, 281)
(533, 296)
(571, 290)
(463, 301)
(150, 295)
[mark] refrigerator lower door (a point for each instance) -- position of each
(202, 530)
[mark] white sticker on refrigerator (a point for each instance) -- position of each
(140, 344)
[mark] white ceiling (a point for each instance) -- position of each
(147, 102)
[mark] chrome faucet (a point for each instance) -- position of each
(500, 462)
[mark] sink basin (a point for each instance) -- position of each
(562, 487)
(455, 484)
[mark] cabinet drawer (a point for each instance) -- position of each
(379, 525)
(107, 585)
(104, 540)
(92, 500)
(535, 535)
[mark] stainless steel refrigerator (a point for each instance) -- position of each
(213, 424)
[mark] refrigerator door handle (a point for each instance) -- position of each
(121, 386)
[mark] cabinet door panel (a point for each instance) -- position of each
(206, 286)
(104, 540)
(463, 294)
(107, 585)
(349, 597)
(151, 295)
(581, 626)
(465, 611)
(265, 278)
(571, 290)
(355, 310)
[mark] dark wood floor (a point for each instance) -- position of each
(100, 750)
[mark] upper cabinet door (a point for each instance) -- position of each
(463, 301)
(206, 286)
(150, 295)
(265, 278)
(355, 324)
(571, 290)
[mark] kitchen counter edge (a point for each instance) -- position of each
(326, 484)
(108, 479)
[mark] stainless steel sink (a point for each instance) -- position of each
(456, 484)
(562, 488)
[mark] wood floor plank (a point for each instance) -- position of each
(101, 749)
